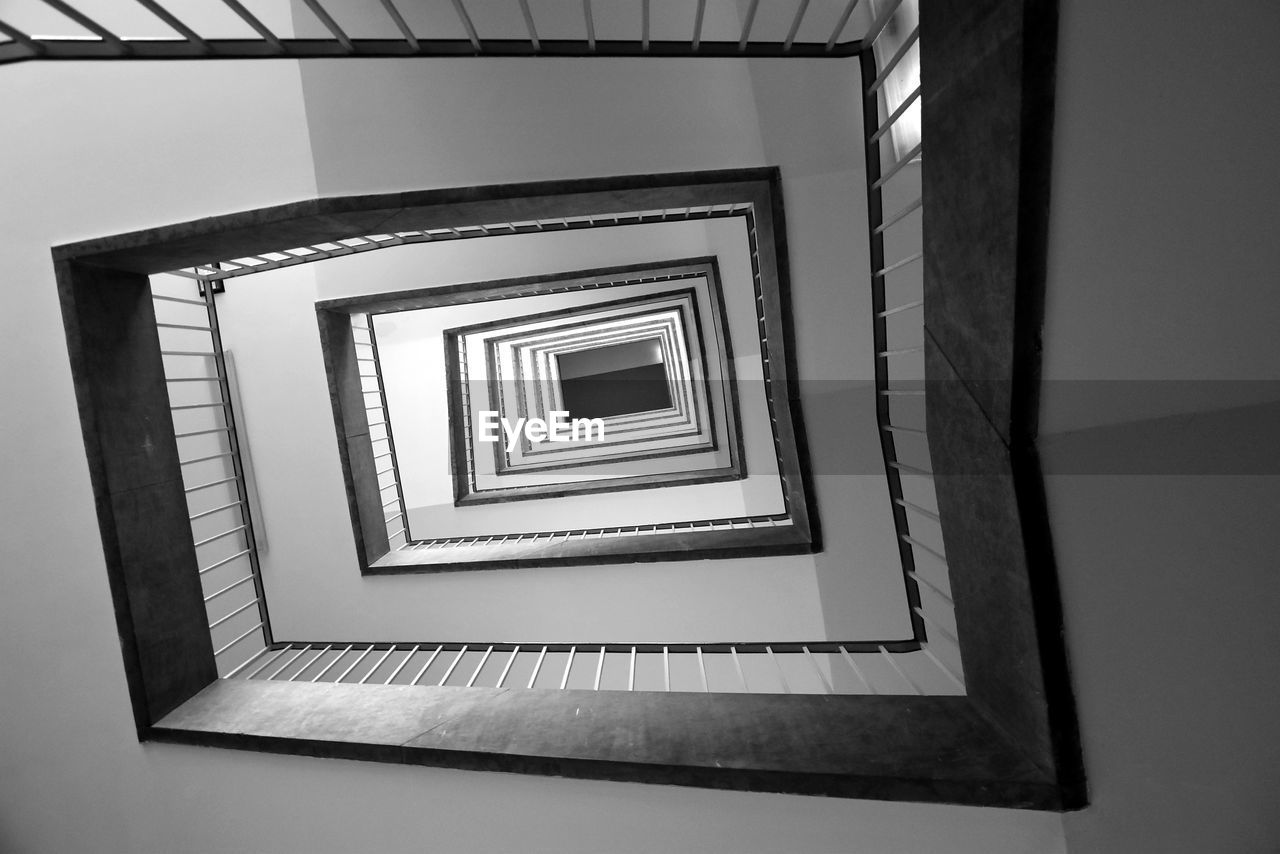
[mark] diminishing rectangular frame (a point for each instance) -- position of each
(679, 411)
(1002, 744)
(723, 354)
(755, 197)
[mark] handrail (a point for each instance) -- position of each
(394, 468)
(204, 437)
(932, 613)
(888, 449)
(237, 462)
(703, 657)
(546, 38)
(816, 667)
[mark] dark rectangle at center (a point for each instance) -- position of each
(625, 392)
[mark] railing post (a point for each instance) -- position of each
(237, 465)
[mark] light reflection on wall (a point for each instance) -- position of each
(905, 77)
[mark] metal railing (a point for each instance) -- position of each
(209, 451)
(381, 438)
(513, 28)
(758, 668)
(230, 268)
(897, 254)
(733, 523)
(929, 663)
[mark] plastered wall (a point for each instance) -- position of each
(94, 149)
(1162, 302)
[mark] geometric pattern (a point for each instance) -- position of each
(511, 369)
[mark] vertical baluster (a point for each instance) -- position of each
(915, 689)
(857, 671)
(285, 666)
(427, 666)
(268, 663)
(568, 665)
(355, 663)
(599, 668)
(374, 669)
(786, 688)
(251, 660)
(331, 664)
(537, 666)
(480, 666)
(737, 663)
(307, 666)
(407, 658)
(816, 669)
(452, 665)
(946, 670)
(510, 661)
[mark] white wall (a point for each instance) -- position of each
(1164, 211)
(1162, 267)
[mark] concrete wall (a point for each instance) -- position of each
(96, 149)
(1166, 181)
(1164, 259)
(1163, 265)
